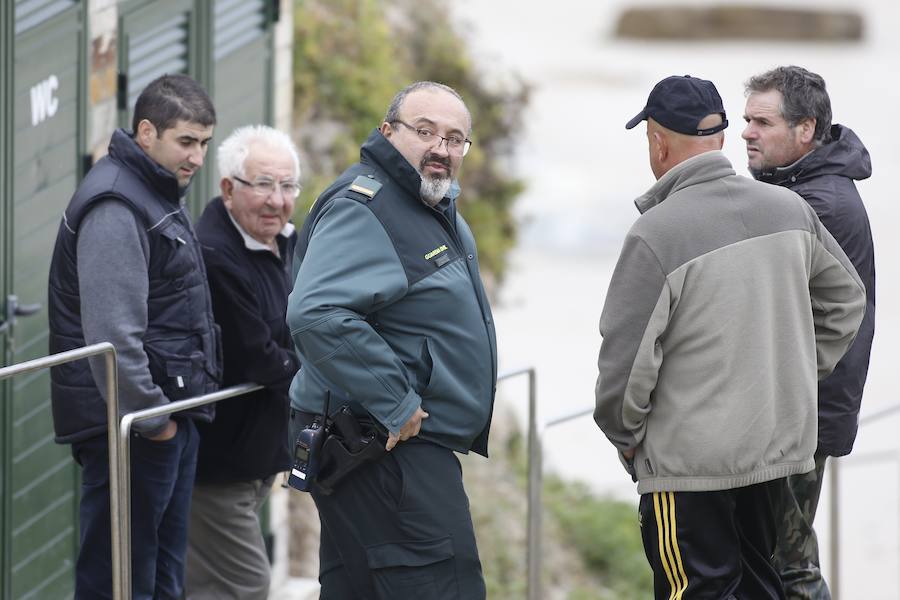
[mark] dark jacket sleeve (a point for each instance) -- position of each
(248, 338)
(840, 209)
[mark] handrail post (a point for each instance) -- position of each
(122, 466)
(119, 586)
(122, 522)
(835, 525)
(535, 484)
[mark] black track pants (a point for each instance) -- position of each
(712, 545)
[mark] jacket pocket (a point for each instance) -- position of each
(178, 367)
(421, 569)
(179, 258)
(434, 382)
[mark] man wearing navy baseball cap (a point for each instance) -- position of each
(681, 103)
(708, 367)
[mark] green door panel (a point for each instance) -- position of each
(161, 49)
(156, 38)
(241, 76)
(32, 13)
(39, 523)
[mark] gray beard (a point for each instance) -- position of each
(434, 189)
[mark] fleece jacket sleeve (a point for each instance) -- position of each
(635, 315)
(113, 257)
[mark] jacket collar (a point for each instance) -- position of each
(379, 151)
(697, 169)
(123, 149)
(844, 155)
(248, 241)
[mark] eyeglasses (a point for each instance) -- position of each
(266, 187)
(455, 144)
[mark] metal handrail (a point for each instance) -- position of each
(119, 433)
(534, 506)
(834, 519)
(122, 435)
(112, 416)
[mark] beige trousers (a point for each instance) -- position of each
(226, 556)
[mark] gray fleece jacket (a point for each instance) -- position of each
(728, 302)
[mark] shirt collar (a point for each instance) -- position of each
(253, 244)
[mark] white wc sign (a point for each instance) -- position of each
(44, 102)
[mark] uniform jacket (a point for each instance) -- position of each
(825, 179)
(388, 309)
(249, 288)
(728, 302)
(179, 345)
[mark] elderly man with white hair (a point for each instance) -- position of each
(248, 242)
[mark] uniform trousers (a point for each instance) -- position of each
(713, 545)
(397, 528)
(226, 557)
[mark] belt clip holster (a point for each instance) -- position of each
(351, 442)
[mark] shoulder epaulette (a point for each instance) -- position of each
(366, 185)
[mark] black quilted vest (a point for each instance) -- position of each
(182, 340)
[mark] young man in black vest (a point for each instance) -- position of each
(127, 269)
(248, 242)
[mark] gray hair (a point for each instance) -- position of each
(803, 96)
(393, 111)
(233, 151)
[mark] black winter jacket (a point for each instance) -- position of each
(825, 179)
(248, 439)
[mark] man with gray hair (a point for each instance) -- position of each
(394, 329)
(248, 242)
(728, 301)
(791, 142)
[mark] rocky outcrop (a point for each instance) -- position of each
(738, 21)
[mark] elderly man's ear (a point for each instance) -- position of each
(227, 187)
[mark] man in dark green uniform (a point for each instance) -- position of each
(391, 319)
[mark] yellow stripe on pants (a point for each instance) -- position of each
(669, 554)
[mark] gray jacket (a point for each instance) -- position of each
(728, 302)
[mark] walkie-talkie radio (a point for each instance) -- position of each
(307, 449)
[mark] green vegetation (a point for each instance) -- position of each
(352, 56)
(591, 545)
(606, 534)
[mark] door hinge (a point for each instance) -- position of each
(87, 161)
(122, 91)
(276, 11)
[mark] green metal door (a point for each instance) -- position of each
(43, 122)
(6, 37)
(241, 72)
(156, 38)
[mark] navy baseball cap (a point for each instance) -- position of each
(680, 103)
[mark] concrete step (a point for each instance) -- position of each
(296, 588)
